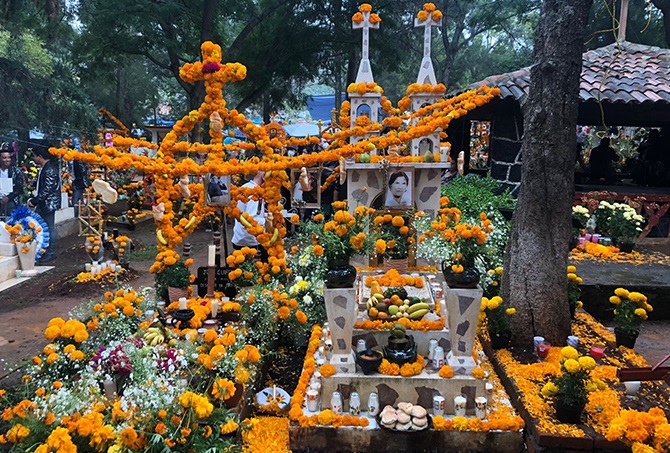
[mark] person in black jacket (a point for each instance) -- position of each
(80, 182)
(10, 200)
(47, 197)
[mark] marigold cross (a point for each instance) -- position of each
(364, 68)
(426, 71)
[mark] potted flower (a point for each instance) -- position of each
(338, 239)
(469, 242)
(631, 309)
(394, 238)
(570, 389)
(174, 280)
(497, 316)
(27, 232)
(624, 225)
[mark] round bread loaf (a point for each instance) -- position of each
(418, 412)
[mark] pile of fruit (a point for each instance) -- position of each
(393, 303)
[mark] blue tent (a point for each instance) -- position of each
(302, 130)
(320, 106)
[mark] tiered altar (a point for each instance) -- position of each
(441, 372)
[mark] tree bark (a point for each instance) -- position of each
(535, 278)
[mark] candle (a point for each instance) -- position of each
(87, 267)
(215, 308)
(480, 407)
(459, 405)
(597, 351)
(110, 388)
(182, 303)
(543, 349)
(211, 256)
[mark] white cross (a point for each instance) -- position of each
(426, 72)
(364, 68)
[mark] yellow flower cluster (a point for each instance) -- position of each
(199, 403)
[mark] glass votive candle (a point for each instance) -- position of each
(597, 351)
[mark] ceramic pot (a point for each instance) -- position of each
(469, 278)
(369, 360)
(568, 413)
(340, 274)
(626, 247)
(236, 398)
(400, 352)
(624, 338)
(500, 340)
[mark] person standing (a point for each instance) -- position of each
(601, 162)
(256, 210)
(47, 197)
(81, 181)
(9, 200)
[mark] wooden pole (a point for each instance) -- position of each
(623, 20)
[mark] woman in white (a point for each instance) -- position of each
(398, 193)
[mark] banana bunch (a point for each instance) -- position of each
(154, 336)
(417, 311)
(374, 300)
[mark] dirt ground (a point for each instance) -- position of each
(25, 309)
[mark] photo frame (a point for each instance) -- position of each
(399, 190)
(312, 198)
(217, 190)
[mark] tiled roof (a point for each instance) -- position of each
(626, 74)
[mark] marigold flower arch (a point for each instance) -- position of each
(168, 167)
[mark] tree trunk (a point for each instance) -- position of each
(535, 280)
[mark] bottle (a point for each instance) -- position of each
(354, 404)
(336, 403)
(373, 404)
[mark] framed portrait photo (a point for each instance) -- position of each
(399, 191)
(217, 189)
(309, 191)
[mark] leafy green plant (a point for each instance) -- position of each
(176, 276)
(474, 195)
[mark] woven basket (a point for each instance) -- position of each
(176, 293)
(401, 265)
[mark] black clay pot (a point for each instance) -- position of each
(624, 338)
(500, 340)
(369, 361)
(400, 352)
(340, 274)
(626, 247)
(568, 413)
(469, 278)
(183, 316)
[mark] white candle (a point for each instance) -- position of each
(215, 308)
(211, 256)
(87, 266)
(459, 405)
(110, 388)
(182, 303)
(112, 267)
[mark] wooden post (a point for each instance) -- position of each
(623, 20)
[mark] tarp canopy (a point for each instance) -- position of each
(302, 130)
(320, 106)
